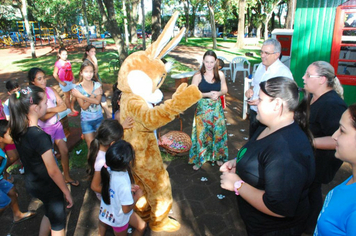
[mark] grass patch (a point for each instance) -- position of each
(207, 43)
(79, 160)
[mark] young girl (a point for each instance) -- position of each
(118, 194)
(90, 55)
(115, 102)
(50, 122)
(42, 175)
(64, 75)
(88, 92)
(109, 132)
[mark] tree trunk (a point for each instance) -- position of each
(212, 22)
(143, 25)
(109, 19)
(28, 30)
(156, 19)
(125, 23)
(241, 25)
(266, 28)
(86, 20)
(186, 10)
(258, 31)
(131, 8)
(290, 14)
(58, 36)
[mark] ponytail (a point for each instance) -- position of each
(302, 112)
(93, 153)
(105, 184)
(337, 87)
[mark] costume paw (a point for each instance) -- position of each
(169, 225)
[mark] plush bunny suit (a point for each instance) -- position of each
(140, 77)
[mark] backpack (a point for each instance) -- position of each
(66, 71)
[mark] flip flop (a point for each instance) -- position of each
(29, 215)
(73, 114)
(74, 183)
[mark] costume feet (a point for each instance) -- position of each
(170, 225)
(26, 216)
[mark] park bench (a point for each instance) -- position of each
(99, 44)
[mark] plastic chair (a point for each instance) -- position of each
(240, 64)
(225, 68)
(254, 69)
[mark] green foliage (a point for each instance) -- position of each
(78, 160)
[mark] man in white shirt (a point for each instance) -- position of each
(270, 67)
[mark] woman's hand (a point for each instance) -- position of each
(63, 83)
(227, 180)
(229, 166)
(69, 199)
(215, 95)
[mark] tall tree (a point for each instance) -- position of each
(132, 16)
(28, 29)
(291, 13)
(186, 11)
(156, 19)
(84, 8)
(55, 13)
(241, 25)
(211, 6)
(109, 19)
(269, 6)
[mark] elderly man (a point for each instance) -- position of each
(270, 67)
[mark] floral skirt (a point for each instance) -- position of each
(209, 134)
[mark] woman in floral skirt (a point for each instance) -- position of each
(209, 134)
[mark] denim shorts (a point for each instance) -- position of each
(90, 126)
(68, 87)
(5, 187)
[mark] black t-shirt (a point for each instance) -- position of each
(282, 164)
(33, 144)
(206, 87)
(325, 115)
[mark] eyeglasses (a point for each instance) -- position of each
(267, 53)
(311, 76)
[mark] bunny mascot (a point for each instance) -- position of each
(140, 76)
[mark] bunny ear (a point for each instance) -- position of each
(173, 43)
(155, 49)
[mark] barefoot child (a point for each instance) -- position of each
(109, 132)
(63, 74)
(88, 93)
(118, 194)
(43, 178)
(50, 122)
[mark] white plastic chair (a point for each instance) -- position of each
(240, 64)
(227, 65)
(254, 69)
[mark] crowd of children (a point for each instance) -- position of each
(38, 110)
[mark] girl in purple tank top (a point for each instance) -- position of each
(50, 121)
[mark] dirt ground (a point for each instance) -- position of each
(191, 197)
